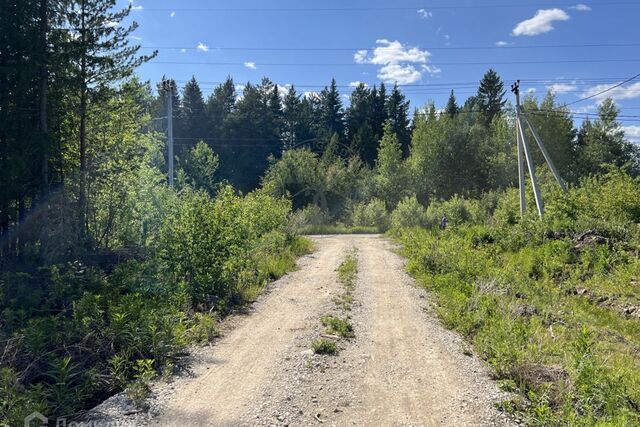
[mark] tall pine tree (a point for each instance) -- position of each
(99, 48)
(490, 95)
(331, 113)
(397, 107)
(452, 106)
(193, 118)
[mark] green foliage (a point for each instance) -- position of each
(206, 243)
(338, 326)
(542, 303)
(79, 334)
(391, 172)
(371, 214)
(200, 168)
(409, 213)
(324, 346)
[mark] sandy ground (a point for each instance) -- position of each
(402, 368)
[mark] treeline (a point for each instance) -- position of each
(463, 151)
(265, 119)
(468, 147)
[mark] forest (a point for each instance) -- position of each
(107, 274)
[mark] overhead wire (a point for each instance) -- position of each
(354, 64)
(378, 9)
(354, 49)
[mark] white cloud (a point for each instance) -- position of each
(135, 38)
(619, 93)
(137, 7)
(541, 23)
(357, 83)
(251, 65)
(502, 43)
(183, 50)
(581, 7)
(424, 13)
(560, 88)
(361, 56)
(398, 62)
(283, 90)
(202, 47)
(401, 74)
(111, 24)
(311, 94)
(632, 133)
(531, 90)
(172, 14)
(586, 108)
(394, 52)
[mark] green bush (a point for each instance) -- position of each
(409, 213)
(324, 346)
(75, 333)
(371, 214)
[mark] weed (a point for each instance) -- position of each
(324, 346)
(338, 326)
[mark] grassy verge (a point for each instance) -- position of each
(557, 316)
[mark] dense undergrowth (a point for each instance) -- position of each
(74, 333)
(553, 306)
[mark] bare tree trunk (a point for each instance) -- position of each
(44, 80)
(82, 197)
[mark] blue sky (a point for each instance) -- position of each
(420, 44)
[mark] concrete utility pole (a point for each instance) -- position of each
(523, 148)
(168, 87)
(521, 179)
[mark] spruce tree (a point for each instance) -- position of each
(379, 116)
(99, 47)
(490, 95)
(452, 106)
(397, 107)
(358, 118)
(331, 113)
(193, 118)
(290, 118)
(220, 106)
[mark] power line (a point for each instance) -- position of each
(574, 80)
(379, 9)
(605, 90)
(345, 49)
(353, 64)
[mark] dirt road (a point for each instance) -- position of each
(402, 368)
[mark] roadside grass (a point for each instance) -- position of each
(338, 229)
(271, 266)
(559, 322)
(337, 326)
(324, 346)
